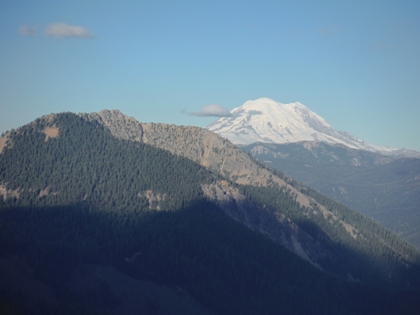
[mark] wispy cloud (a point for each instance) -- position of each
(329, 31)
(63, 30)
(213, 110)
(26, 30)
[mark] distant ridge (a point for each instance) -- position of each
(267, 121)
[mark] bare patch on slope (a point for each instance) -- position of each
(155, 199)
(208, 143)
(8, 193)
(50, 132)
(46, 192)
(3, 141)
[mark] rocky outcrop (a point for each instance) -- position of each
(6, 192)
(120, 125)
(3, 142)
(154, 199)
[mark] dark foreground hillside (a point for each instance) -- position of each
(90, 224)
(72, 259)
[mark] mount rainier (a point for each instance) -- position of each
(267, 121)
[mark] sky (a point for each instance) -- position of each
(355, 63)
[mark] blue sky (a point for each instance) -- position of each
(355, 63)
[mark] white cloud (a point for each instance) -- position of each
(63, 30)
(212, 110)
(25, 30)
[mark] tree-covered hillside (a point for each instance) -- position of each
(86, 163)
(92, 224)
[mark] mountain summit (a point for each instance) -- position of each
(267, 121)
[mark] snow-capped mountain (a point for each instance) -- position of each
(265, 120)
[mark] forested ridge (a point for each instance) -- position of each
(84, 198)
(86, 162)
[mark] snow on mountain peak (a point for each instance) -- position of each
(265, 120)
